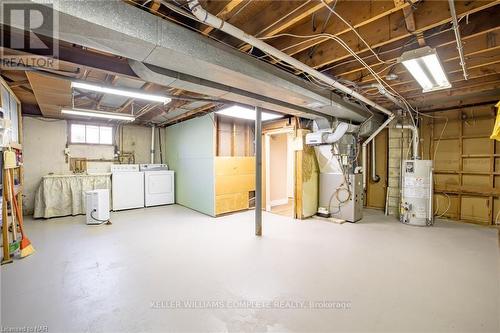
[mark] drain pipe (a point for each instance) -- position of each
(230, 29)
(458, 38)
(375, 177)
(367, 141)
(153, 144)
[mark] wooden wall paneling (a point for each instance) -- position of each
(234, 180)
(461, 149)
(233, 137)
(467, 166)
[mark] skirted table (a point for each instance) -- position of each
(63, 195)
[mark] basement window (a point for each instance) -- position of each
(91, 134)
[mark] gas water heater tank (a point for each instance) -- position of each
(416, 199)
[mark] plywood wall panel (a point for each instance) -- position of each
(476, 146)
(476, 164)
(446, 181)
(447, 155)
(475, 209)
(234, 180)
(449, 122)
(446, 206)
(476, 181)
(477, 121)
(466, 165)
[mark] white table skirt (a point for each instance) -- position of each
(63, 195)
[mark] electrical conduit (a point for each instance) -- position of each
(219, 24)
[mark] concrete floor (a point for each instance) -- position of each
(391, 277)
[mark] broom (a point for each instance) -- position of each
(26, 247)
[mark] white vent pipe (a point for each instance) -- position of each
(415, 139)
(230, 29)
(219, 24)
(153, 144)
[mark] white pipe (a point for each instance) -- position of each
(381, 89)
(152, 144)
(230, 29)
(219, 24)
(415, 139)
(460, 46)
(431, 198)
(374, 176)
(367, 141)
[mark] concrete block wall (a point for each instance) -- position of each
(399, 149)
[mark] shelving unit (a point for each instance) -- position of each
(10, 108)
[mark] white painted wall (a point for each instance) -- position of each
(43, 151)
(290, 166)
(278, 169)
(44, 141)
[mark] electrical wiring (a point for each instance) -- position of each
(496, 219)
(338, 40)
(439, 139)
(347, 48)
(354, 30)
(446, 210)
(191, 16)
(283, 17)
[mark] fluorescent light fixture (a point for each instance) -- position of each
(98, 114)
(424, 65)
(121, 92)
(236, 111)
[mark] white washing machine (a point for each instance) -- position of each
(159, 184)
(128, 186)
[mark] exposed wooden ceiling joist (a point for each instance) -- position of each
(384, 33)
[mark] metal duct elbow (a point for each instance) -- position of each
(230, 29)
(339, 132)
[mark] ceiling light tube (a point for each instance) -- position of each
(98, 114)
(425, 67)
(121, 92)
(237, 111)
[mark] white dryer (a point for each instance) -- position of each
(159, 184)
(128, 186)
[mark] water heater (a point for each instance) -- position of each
(417, 191)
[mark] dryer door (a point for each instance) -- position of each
(159, 188)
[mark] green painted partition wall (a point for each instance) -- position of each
(190, 151)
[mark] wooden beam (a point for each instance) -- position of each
(486, 30)
(358, 13)
(383, 32)
(477, 51)
(18, 83)
(285, 15)
(408, 15)
(190, 114)
(155, 5)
